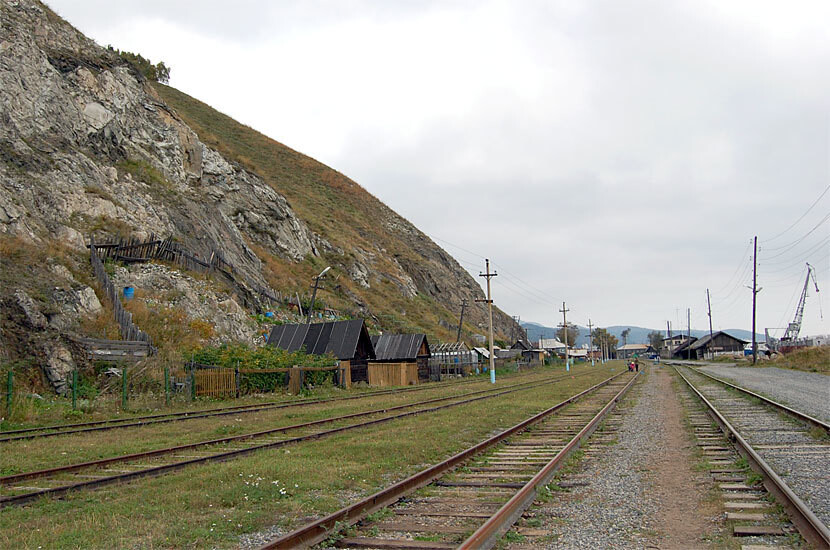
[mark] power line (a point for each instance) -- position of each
(743, 258)
(788, 247)
(802, 216)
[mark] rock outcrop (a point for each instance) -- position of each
(88, 146)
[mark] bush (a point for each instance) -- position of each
(157, 73)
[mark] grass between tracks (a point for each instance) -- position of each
(28, 455)
(212, 505)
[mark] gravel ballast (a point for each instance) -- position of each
(613, 498)
(807, 392)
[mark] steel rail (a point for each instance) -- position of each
(163, 418)
(13, 478)
(489, 533)
(220, 457)
(810, 527)
(317, 531)
(789, 410)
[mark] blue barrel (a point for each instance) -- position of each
(269, 313)
(129, 292)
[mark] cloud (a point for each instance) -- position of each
(617, 155)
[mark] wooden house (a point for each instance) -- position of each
(630, 350)
(348, 341)
(720, 343)
(400, 360)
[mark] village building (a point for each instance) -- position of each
(682, 351)
(630, 350)
(552, 346)
(400, 360)
(720, 343)
(451, 358)
(348, 341)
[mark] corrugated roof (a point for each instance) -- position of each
(339, 338)
(629, 347)
(704, 341)
(398, 347)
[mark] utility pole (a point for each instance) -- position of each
(711, 338)
(314, 294)
(689, 332)
(461, 320)
(754, 297)
(489, 301)
(591, 340)
(564, 311)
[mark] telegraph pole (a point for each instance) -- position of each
(461, 320)
(564, 311)
(489, 301)
(689, 332)
(711, 338)
(754, 297)
(591, 340)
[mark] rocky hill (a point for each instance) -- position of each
(88, 147)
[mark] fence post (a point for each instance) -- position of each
(74, 389)
(236, 378)
(124, 388)
(167, 385)
(192, 382)
(9, 394)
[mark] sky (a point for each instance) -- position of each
(615, 155)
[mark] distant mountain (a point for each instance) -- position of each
(638, 335)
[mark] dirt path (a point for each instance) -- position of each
(642, 491)
(682, 517)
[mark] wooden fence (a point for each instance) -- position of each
(393, 374)
(215, 381)
(115, 350)
(129, 330)
(133, 250)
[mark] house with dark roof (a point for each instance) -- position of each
(682, 351)
(720, 343)
(400, 360)
(348, 341)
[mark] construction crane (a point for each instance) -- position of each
(795, 327)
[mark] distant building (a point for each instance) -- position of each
(630, 350)
(348, 341)
(400, 360)
(720, 343)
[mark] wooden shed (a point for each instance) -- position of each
(720, 343)
(400, 360)
(349, 341)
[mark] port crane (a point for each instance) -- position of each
(795, 327)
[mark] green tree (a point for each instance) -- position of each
(603, 338)
(655, 338)
(624, 335)
(573, 334)
(158, 72)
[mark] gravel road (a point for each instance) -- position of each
(806, 392)
(620, 497)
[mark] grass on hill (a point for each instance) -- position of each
(332, 205)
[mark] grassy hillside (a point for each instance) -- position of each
(346, 215)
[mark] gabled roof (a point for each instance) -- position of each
(339, 338)
(633, 347)
(550, 343)
(683, 345)
(484, 352)
(521, 343)
(450, 347)
(704, 341)
(398, 347)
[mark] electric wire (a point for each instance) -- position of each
(826, 189)
(790, 246)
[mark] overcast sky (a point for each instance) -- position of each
(617, 155)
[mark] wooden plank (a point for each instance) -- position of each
(395, 544)
(756, 530)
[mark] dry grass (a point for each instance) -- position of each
(808, 359)
(332, 205)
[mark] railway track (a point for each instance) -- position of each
(17, 489)
(789, 450)
(471, 499)
(139, 421)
